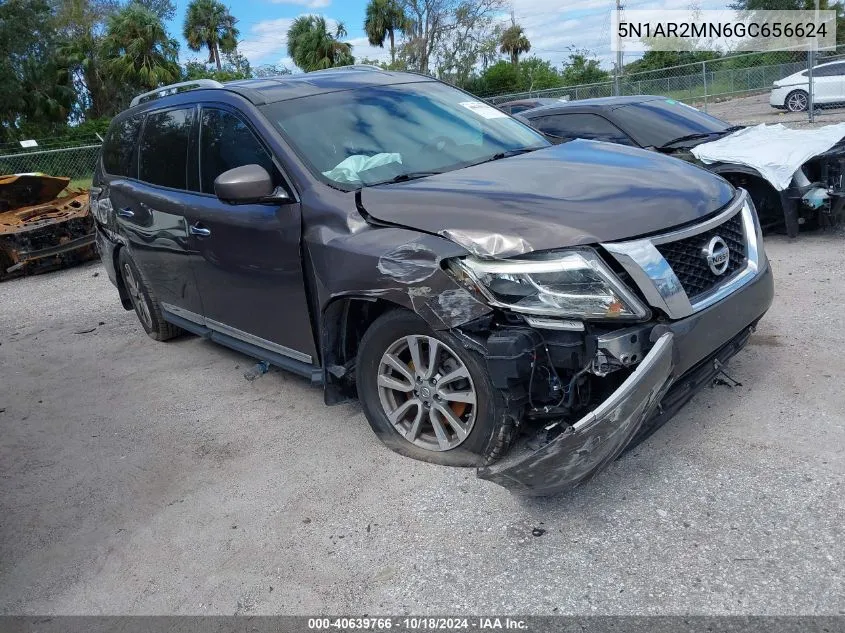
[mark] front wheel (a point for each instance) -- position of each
(797, 101)
(427, 397)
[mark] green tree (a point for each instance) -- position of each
(582, 70)
(164, 9)
(470, 40)
(538, 74)
(81, 25)
(235, 66)
(138, 50)
(658, 60)
(384, 18)
(208, 24)
(399, 64)
(500, 78)
(312, 46)
(513, 43)
(36, 93)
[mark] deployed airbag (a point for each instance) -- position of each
(773, 150)
(348, 170)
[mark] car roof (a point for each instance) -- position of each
(543, 100)
(599, 103)
(284, 87)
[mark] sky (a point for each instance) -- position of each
(552, 26)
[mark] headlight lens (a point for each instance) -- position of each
(575, 284)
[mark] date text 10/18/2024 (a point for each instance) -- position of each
(417, 624)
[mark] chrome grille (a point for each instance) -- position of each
(672, 272)
(686, 257)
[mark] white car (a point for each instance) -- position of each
(792, 93)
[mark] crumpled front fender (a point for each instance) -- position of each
(583, 449)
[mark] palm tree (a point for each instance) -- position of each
(209, 24)
(137, 49)
(513, 42)
(313, 47)
(384, 18)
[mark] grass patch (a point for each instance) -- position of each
(80, 183)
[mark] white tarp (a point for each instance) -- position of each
(348, 169)
(774, 150)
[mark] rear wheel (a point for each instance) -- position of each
(144, 301)
(428, 397)
(797, 101)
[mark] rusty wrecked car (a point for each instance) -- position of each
(43, 224)
(492, 300)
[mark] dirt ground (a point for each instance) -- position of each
(756, 109)
(151, 478)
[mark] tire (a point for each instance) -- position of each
(797, 101)
(147, 307)
(488, 430)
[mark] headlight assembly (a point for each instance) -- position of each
(572, 283)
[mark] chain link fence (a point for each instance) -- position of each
(707, 82)
(71, 158)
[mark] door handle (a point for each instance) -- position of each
(199, 229)
(126, 212)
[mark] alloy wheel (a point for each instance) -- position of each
(139, 302)
(797, 102)
(426, 392)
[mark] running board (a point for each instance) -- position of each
(306, 370)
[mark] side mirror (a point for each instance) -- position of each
(248, 184)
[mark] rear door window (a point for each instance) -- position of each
(119, 148)
(589, 126)
(830, 70)
(163, 151)
(227, 142)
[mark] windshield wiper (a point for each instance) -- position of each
(508, 154)
(411, 175)
(688, 137)
(698, 135)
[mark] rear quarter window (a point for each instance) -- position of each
(119, 147)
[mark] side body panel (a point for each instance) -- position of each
(156, 233)
(249, 270)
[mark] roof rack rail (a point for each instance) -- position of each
(165, 90)
(347, 67)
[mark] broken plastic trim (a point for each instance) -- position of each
(584, 448)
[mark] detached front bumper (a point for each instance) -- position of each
(685, 356)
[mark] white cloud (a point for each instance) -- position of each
(553, 27)
(266, 38)
(362, 48)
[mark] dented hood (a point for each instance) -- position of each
(581, 192)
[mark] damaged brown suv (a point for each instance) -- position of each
(492, 300)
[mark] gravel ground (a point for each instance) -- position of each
(756, 109)
(151, 478)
